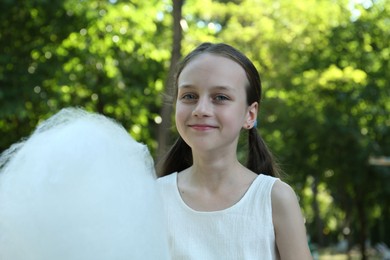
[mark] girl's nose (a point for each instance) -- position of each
(202, 108)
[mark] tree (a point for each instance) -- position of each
(99, 55)
(325, 73)
(323, 112)
(28, 31)
(166, 111)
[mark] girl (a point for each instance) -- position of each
(217, 208)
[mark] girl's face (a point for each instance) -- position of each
(211, 106)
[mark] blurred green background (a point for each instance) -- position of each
(326, 79)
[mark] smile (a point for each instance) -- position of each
(202, 127)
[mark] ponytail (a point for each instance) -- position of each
(178, 158)
(260, 159)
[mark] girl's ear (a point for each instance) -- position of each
(251, 115)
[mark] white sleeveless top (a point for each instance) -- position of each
(242, 231)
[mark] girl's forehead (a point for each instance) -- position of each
(210, 70)
(207, 63)
(210, 58)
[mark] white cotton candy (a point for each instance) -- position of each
(80, 188)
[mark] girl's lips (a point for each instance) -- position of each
(202, 127)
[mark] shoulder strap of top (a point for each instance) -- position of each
(259, 197)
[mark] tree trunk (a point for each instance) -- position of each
(167, 107)
(318, 220)
(363, 223)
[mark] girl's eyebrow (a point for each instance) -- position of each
(226, 88)
(220, 88)
(186, 86)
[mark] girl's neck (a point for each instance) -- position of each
(215, 169)
(214, 186)
(215, 173)
(215, 164)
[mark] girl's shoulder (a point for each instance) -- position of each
(288, 222)
(283, 196)
(282, 190)
(286, 210)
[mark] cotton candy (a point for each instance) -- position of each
(80, 188)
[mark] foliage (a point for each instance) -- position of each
(95, 54)
(325, 74)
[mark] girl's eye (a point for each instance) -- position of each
(188, 96)
(220, 98)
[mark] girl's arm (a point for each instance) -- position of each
(290, 232)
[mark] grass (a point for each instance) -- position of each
(328, 254)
